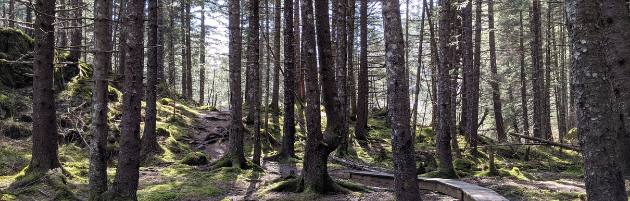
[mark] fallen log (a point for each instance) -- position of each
(569, 147)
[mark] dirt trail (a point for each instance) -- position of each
(210, 137)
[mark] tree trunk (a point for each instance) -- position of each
(537, 78)
(288, 135)
(563, 85)
(617, 42)
(184, 49)
(494, 82)
(473, 99)
(235, 149)
(523, 79)
(189, 91)
(298, 61)
(160, 42)
(120, 69)
(171, 48)
(275, 109)
(254, 70)
(597, 122)
(352, 89)
(341, 9)
(443, 144)
(315, 176)
(77, 33)
(98, 128)
(454, 76)
(12, 13)
(29, 18)
(467, 65)
(45, 148)
(126, 180)
(418, 72)
(405, 179)
(434, 65)
(149, 137)
(363, 82)
(547, 82)
(202, 58)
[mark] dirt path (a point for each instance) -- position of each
(210, 137)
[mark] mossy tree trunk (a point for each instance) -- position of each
(362, 78)
(405, 180)
(126, 180)
(340, 9)
(443, 145)
(98, 129)
(45, 148)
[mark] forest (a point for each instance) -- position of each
(314, 100)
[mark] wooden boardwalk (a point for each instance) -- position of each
(457, 189)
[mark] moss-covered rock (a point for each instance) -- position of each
(15, 46)
(161, 131)
(16, 130)
(195, 158)
(463, 164)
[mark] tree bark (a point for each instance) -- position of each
(537, 78)
(275, 109)
(98, 128)
(617, 42)
(547, 82)
(288, 135)
(45, 148)
(160, 42)
(341, 57)
(202, 58)
(363, 82)
(126, 180)
(149, 137)
(77, 33)
(254, 70)
(184, 49)
(591, 83)
(319, 145)
(352, 89)
(405, 179)
(523, 78)
(171, 48)
(494, 82)
(467, 65)
(235, 148)
(189, 91)
(418, 72)
(443, 144)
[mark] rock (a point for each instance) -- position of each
(195, 158)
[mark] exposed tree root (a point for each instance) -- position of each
(297, 185)
(55, 179)
(225, 161)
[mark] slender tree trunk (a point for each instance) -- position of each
(160, 42)
(547, 82)
(434, 65)
(275, 109)
(363, 82)
(598, 124)
(254, 67)
(171, 48)
(184, 49)
(443, 144)
(537, 77)
(352, 89)
(418, 72)
(456, 52)
(467, 65)
(12, 13)
(288, 135)
(45, 148)
(235, 149)
(188, 68)
(405, 178)
(496, 94)
(120, 69)
(202, 58)
(126, 180)
(617, 42)
(98, 128)
(149, 137)
(29, 18)
(563, 85)
(523, 78)
(341, 58)
(473, 101)
(77, 33)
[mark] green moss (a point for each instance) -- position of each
(442, 173)
(165, 101)
(575, 171)
(15, 45)
(463, 164)
(195, 158)
(353, 186)
(161, 131)
(16, 130)
(113, 94)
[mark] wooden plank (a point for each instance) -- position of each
(454, 188)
